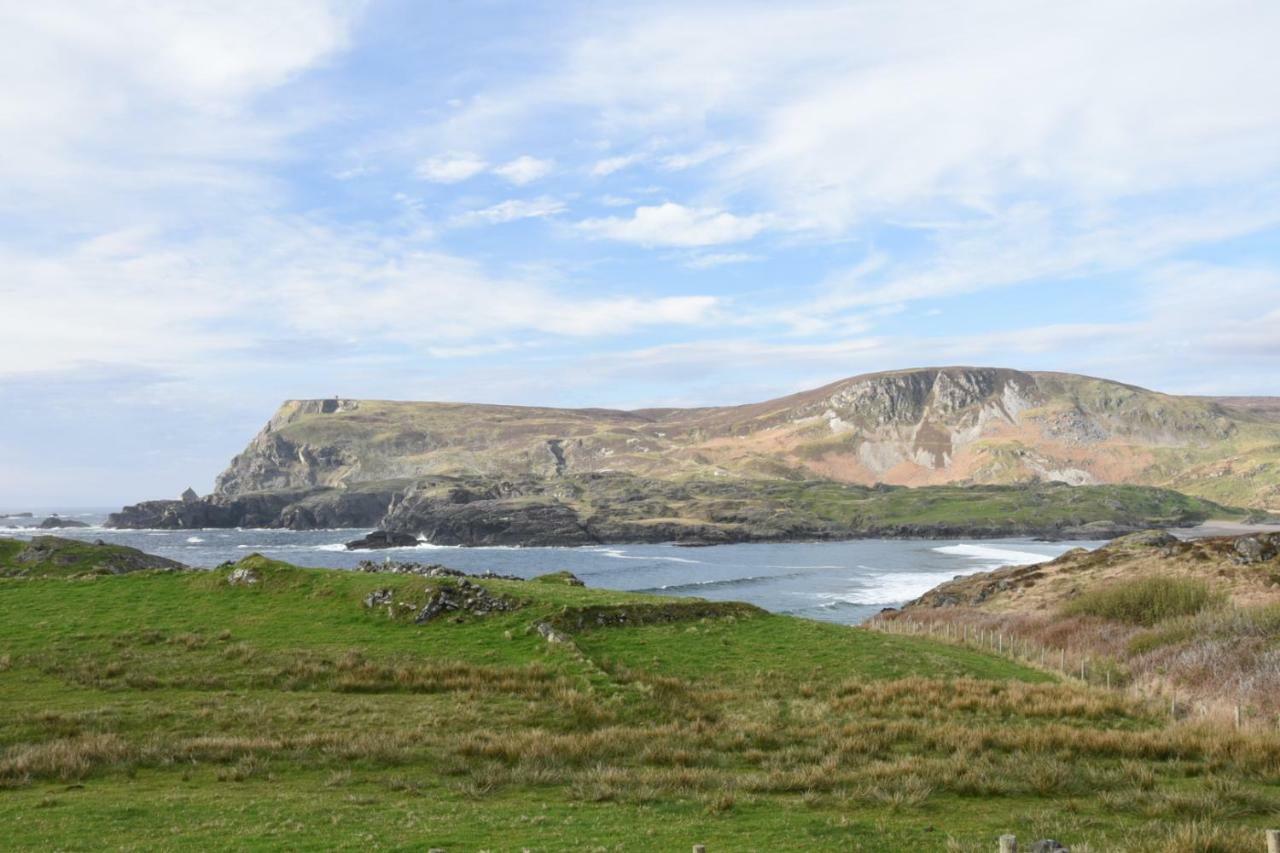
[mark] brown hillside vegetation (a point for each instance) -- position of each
(1197, 622)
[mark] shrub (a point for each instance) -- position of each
(1144, 601)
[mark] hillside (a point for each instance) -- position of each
(823, 464)
(262, 705)
(913, 427)
(1197, 621)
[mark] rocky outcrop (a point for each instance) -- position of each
(56, 556)
(463, 597)
(307, 509)
(1258, 548)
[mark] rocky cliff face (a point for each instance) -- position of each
(915, 427)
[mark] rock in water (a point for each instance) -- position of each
(383, 539)
(55, 522)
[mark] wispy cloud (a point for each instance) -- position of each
(510, 211)
(450, 168)
(672, 224)
(524, 170)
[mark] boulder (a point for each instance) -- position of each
(189, 495)
(243, 577)
(383, 539)
(1145, 539)
(550, 634)
(1048, 845)
(1257, 548)
(379, 598)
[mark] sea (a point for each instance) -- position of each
(845, 582)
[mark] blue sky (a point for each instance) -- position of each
(207, 209)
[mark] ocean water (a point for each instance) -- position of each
(835, 581)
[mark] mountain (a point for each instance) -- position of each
(920, 427)
(987, 452)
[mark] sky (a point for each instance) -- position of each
(209, 208)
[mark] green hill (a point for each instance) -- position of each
(262, 705)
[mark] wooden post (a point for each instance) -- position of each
(1008, 844)
(1062, 662)
(1082, 677)
(1238, 716)
(1108, 679)
(1000, 642)
(1273, 841)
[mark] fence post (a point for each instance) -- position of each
(1238, 716)
(1273, 841)
(1008, 844)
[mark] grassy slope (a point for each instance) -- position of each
(1185, 619)
(174, 710)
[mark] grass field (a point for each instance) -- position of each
(175, 710)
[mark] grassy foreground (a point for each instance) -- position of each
(177, 710)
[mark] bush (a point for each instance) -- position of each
(1144, 601)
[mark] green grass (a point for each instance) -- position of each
(176, 711)
(1144, 601)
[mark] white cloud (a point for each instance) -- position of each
(671, 224)
(609, 165)
(145, 299)
(524, 170)
(112, 101)
(511, 210)
(450, 168)
(842, 112)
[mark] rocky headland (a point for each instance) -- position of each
(985, 452)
